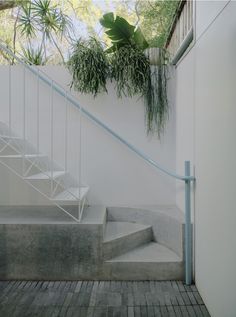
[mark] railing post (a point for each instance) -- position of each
(24, 121)
(37, 124)
(51, 144)
(66, 131)
(80, 156)
(188, 227)
(9, 108)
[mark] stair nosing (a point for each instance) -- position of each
(145, 227)
(125, 235)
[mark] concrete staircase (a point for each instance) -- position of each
(108, 243)
(42, 243)
(131, 252)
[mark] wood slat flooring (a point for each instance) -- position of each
(100, 299)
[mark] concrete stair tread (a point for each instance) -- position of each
(72, 194)
(46, 175)
(151, 252)
(115, 230)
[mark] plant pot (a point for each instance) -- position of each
(153, 54)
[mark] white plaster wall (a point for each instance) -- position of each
(208, 74)
(115, 175)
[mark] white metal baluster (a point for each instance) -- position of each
(37, 124)
(9, 109)
(24, 121)
(51, 108)
(80, 151)
(66, 131)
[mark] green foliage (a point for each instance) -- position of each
(155, 19)
(89, 67)
(122, 33)
(33, 56)
(130, 69)
(42, 24)
(155, 98)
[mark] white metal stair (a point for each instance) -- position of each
(45, 176)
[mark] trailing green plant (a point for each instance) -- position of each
(155, 98)
(131, 71)
(89, 67)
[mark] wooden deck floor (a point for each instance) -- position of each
(99, 299)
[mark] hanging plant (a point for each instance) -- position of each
(155, 98)
(130, 67)
(89, 67)
(131, 71)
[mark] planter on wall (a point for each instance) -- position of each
(153, 54)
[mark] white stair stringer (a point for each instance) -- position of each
(55, 185)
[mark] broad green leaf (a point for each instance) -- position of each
(140, 39)
(107, 20)
(121, 32)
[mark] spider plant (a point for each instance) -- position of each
(89, 67)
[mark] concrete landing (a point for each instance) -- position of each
(49, 215)
(44, 243)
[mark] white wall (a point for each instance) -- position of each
(205, 132)
(115, 175)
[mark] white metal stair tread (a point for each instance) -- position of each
(115, 230)
(72, 194)
(151, 252)
(46, 175)
(10, 137)
(22, 156)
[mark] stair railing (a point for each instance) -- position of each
(186, 178)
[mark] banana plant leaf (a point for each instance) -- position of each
(122, 33)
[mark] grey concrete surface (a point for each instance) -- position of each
(121, 237)
(42, 244)
(167, 223)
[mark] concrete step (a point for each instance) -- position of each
(152, 261)
(121, 237)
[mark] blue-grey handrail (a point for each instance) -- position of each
(66, 94)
